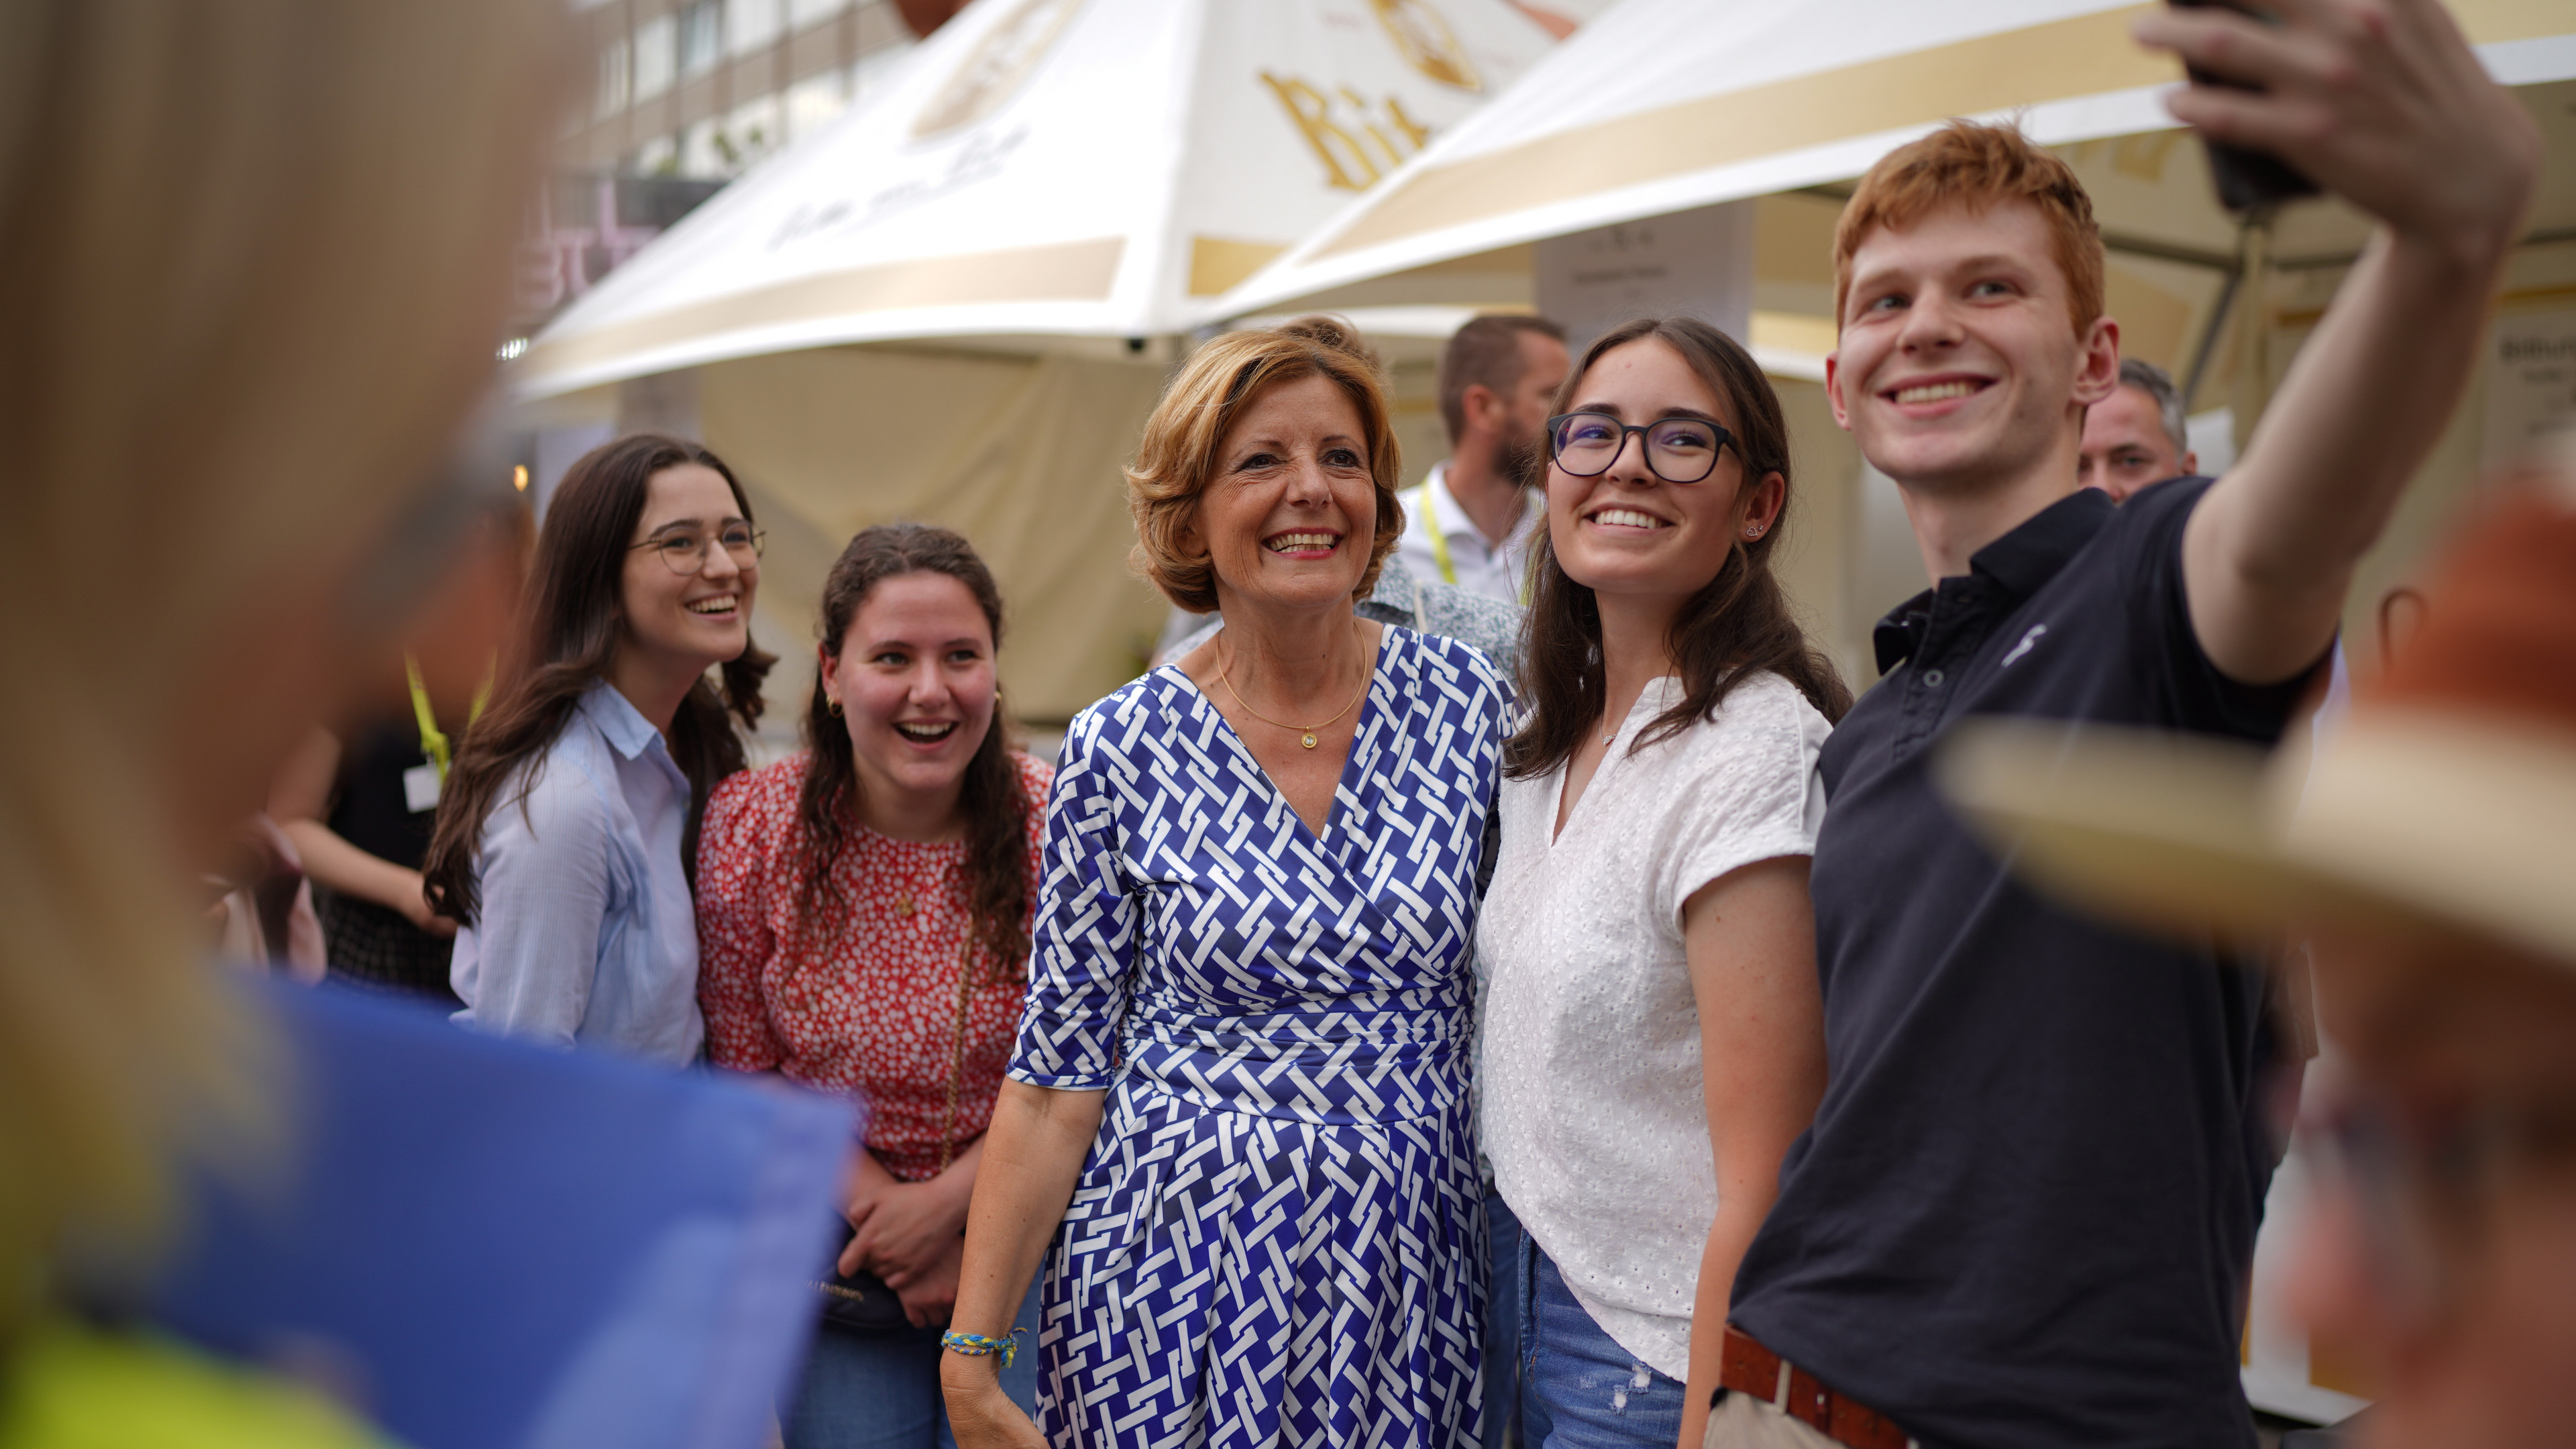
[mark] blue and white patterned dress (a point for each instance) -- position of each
(1277, 1238)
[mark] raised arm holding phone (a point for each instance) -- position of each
(2026, 1210)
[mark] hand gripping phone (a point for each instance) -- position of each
(2247, 180)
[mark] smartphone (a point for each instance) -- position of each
(2247, 180)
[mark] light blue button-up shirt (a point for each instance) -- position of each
(587, 935)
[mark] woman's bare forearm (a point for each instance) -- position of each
(1728, 1236)
(1032, 1155)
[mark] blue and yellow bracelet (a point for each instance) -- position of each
(976, 1345)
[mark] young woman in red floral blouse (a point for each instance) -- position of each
(863, 924)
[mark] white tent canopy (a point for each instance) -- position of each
(1049, 169)
(1666, 105)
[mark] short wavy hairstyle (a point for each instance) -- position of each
(1178, 456)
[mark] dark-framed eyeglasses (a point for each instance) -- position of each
(1678, 450)
(685, 549)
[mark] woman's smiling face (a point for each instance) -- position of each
(914, 677)
(1290, 515)
(1627, 531)
(700, 618)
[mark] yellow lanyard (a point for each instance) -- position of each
(1440, 545)
(1439, 538)
(433, 740)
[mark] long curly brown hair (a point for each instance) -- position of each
(996, 805)
(1735, 627)
(569, 624)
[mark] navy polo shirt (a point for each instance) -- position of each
(2026, 1210)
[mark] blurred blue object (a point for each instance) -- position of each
(488, 1244)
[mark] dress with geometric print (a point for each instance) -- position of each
(1278, 1237)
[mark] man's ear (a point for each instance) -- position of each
(1834, 390)
(2097, 364)
(1482, 408)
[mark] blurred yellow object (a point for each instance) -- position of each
(75, 1387)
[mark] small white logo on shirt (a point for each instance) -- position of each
(2022, 648)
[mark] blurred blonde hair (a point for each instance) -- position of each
(253, 259)
(1177, 459)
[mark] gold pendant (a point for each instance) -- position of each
(1309, 738)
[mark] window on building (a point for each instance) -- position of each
(701, 158)
(616, 78)
(801, 13)
(753, 130)
(657, 157)
(751, 25)
(655, 59)
(701, 37)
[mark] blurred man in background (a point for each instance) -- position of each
(2135, 436)
(1470, 523)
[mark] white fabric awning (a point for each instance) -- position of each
(1049, 168)
(1665, 105)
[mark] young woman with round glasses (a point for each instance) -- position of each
(1646, 939)
(569, 823)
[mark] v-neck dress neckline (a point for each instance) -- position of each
(1353, 768)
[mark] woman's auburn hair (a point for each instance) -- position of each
(570, 620)
(995, 800)
(1178, 457)
(1735, 627)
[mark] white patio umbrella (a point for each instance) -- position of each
(1663, 106)
(1043, 182)
(1049, 168)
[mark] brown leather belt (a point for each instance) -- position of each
(1746, 1367)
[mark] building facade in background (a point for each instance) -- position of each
(684, 95)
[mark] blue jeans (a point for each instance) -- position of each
(1502, 1325)
(1578, 1388)
(881, 1390)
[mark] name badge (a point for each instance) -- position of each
(420, 788)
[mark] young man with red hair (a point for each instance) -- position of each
(2026, 1209)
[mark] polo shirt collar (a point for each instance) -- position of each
(618, 721)
(2017, 564)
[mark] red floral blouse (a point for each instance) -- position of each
(870, 1007)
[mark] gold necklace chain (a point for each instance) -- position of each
(1305, 733)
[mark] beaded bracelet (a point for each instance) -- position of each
(976, 1345)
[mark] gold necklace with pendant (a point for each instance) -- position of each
(1305, 733)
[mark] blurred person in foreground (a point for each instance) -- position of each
(863, 914)
(566, 843)
(253, 257)
(1238, 1109)
(2426, 853)
(1469, 524)
(2026, 1210)
(359, 808)
(2136, 436)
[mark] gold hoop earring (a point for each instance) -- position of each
(832, 702)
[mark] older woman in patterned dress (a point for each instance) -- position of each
(863, 914)
(1238, 1110)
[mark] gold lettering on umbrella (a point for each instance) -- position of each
(995, 70)
(1423, 37)
(1357, 143)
